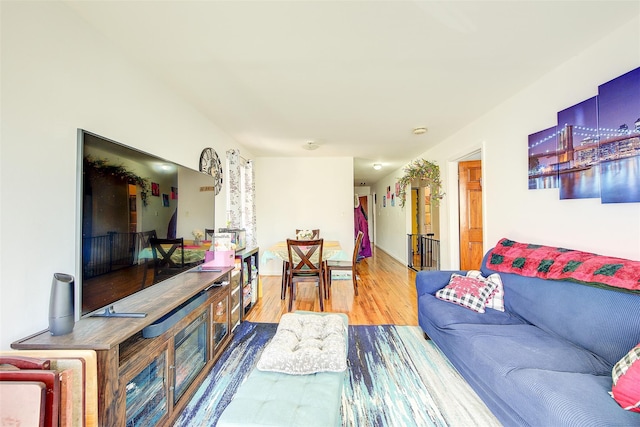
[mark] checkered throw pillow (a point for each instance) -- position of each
(626, 381)
(496, 299)
(467, 292)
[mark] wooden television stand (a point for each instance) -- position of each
(150, 380)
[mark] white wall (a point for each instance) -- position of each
(298, 193)
(59, 75)
(510, 209)
(393, 223)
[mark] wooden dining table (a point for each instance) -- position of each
(331, 249)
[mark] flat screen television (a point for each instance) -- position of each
(125, 195)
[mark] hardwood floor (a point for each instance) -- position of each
(386, 295)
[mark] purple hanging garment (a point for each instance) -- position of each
(361, 224)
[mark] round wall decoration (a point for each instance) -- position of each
(210, 163)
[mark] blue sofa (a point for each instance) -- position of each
(547, 359)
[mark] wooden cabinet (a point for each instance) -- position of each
(148, 381)
(248, 260)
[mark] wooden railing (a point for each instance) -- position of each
(423, 252)
(109, 252)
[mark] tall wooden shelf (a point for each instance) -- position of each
(123, 352)
(249, 278)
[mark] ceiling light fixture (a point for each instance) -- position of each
(419, 130)
(377, 166)
(310, 146)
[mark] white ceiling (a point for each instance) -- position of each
(353, 76)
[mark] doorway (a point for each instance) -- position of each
(470, 214)
(364, 204)
(423, 243)
(366, 208)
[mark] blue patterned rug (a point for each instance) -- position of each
(396, 378)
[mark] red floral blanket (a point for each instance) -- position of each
(547, 262)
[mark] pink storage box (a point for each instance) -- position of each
(220, 258)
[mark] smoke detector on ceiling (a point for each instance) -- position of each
(311, 146)
(419, 130)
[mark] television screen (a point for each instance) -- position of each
(125, 197)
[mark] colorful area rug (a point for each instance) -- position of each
(396, 378)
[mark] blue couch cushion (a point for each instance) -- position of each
(445, 314)
(565, 308)
(550, 398)
(502, 348)
(454, 347)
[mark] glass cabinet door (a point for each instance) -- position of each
(190, 354)
(146, 394)
(220, 324)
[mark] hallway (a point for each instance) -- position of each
(386, 295)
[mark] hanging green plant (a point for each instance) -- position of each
(423, 170)
(102, 167)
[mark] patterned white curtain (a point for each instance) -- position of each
(241, 205)
(234, 190)
(250, 204)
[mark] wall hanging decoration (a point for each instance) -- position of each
(210, 164)
(619, 143)
(543, 159)
(594, 150)
(577, 151)
(102, 167)
(425, 172)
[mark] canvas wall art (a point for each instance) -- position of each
(578, 151)
(543, 159)
(597, 146)
(619, 125)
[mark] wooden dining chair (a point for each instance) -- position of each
(332, 265)
(145, 236)
(305, 265)
(165, 264)
(285, 264)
